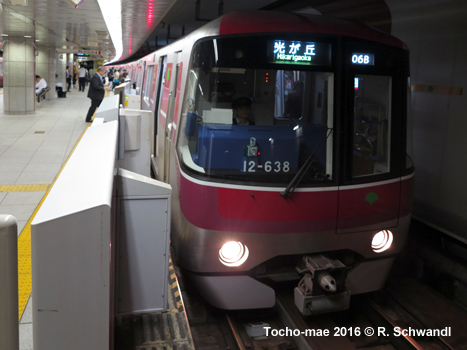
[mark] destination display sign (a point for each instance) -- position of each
(299, 52)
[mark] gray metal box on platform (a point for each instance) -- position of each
(143, 231)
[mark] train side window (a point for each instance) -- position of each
(148, 80)
(371, 125)
(188, 141)
(139, 79)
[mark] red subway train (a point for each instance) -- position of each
(287, 141)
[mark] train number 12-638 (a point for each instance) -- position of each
(269, 166)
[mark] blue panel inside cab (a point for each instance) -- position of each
(191, 120)
(314, 139)
(222, 146)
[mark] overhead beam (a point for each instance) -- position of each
(220, 11)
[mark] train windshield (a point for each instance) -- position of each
(246, 120)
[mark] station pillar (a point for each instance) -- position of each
(45, 67)
(60, 68)
(18, 75)
(69, 63)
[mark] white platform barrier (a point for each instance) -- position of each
(137, 140)
(93, 212)
(71, 250)
(132, 100)
(135, 134)
(9, 325)
(108, 110)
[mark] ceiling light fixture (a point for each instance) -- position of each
(75, 3)
(112, 13)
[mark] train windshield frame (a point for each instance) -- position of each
(252, 116)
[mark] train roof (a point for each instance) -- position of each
(242, 22)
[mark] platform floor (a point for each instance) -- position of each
(33, 149)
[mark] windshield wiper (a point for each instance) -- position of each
(304, 169)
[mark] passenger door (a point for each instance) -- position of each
(160, 116)
(371, 195)
(170, 127)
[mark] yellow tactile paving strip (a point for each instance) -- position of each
(24, 265)
(24, 239)
(24, 188)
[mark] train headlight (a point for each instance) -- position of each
(233, 253)
(382, 241)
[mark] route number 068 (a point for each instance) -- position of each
(269, 166)
(361, 59)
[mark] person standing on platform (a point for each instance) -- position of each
(110, 74)
(75, 77)
(116, 80)
(96, 92)
(82, 72)
(68, 78)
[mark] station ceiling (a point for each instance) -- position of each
(148, 24)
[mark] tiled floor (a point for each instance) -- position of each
(33, 149)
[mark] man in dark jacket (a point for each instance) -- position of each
(96, 92)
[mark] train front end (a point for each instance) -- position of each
(313, 187)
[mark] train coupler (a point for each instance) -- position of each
(322, 288)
